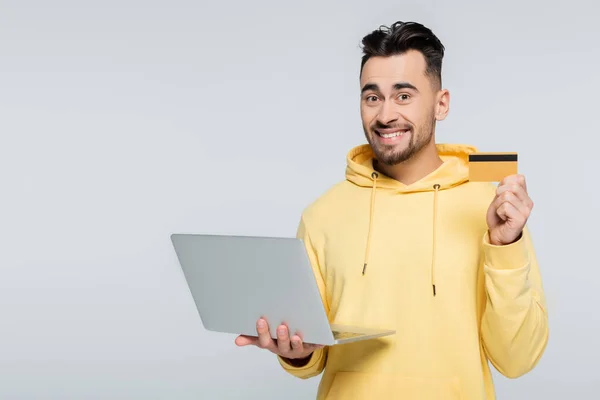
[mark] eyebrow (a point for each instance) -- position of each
(397, 86)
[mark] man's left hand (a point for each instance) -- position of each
(509, 211)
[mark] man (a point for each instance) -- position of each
(407, 242)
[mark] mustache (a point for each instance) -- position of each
(379, 125)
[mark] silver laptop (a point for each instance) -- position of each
(235, 280)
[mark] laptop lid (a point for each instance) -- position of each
(235, 280)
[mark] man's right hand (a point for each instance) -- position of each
(285, 346)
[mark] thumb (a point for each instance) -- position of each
(243, 340)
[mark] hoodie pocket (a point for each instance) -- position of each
(363, 386)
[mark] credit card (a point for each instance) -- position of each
(492, 167)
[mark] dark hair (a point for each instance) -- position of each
(402, 37)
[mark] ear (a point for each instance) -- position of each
(442, 105)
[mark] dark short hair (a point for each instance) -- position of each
(402, 37)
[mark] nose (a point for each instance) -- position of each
(387, 113)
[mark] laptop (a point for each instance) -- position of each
(235, 280)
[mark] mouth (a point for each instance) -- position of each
(391, 133)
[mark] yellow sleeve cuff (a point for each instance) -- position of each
(510, 256)
(314, 366)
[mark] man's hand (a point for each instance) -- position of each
(285, 346)
(509, 211)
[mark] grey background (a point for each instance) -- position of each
(124, 121)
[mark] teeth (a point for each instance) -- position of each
(391, 135)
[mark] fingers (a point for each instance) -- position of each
(518, 185)
(516, 179)
(287, 346)
(509, 206)
(298, 347)
(513, 191)
(517, 189)
(264, 336)
(507, 211)
(283, 340)
(293, 346)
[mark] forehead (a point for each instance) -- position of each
(386, 71)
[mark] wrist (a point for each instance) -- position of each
(495, 242)
(505, 256)
(298, 362)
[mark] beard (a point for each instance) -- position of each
(390, 155)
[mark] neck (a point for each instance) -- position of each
(417, 167)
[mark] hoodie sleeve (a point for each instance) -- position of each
(318, 359)
(515, 320)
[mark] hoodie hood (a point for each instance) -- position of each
(453, 172)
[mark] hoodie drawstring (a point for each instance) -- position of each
(374, 175)
(436, 187)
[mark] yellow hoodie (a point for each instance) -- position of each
(430, 273)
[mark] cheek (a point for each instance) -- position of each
(418, 115)
(368, 114)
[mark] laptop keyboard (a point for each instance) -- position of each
(345, 335)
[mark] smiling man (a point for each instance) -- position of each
(406, 242)
(398, 118)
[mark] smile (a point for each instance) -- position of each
(391, 134)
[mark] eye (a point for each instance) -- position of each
(403, 97)
(371, 98)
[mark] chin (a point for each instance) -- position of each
(392, 155)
